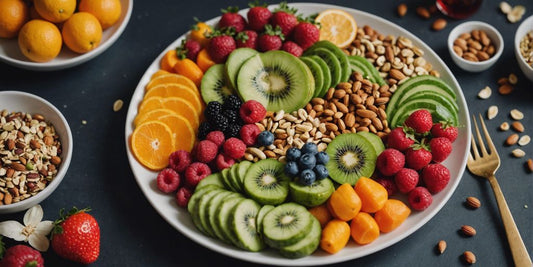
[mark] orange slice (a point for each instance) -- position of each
(151, 143)
(176, 90)
(151, 115)
(180, 106)
(172, 78)
(158, 73)
(182, 131)
(337, 26)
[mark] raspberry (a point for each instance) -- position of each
(389, 184)
(248, 134)
(390, 161)
(406, 180)
(196, 172)
(234, 148)
(419, 198)
(212, 109)
(232, 102)
(206, 151)
(441, 148)
(399, 139)
(232, 130)
(168, 180)
(444, 130)
(252, 111)
(183, 196)
(222, 161)
(203, 130)
(180, 160)
(216, 137)
(436, 176)
(420, 121)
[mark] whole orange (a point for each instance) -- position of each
(106, 11)
(82, 32)
(13, 14)
(55, 10)
(39, 40)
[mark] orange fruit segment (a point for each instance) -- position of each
(176, 90)
(179, 106)
(39, 40)
(172, 78)
(337, 26)
(168, 61)
(13, 15)
(151, 143)
(151, 115)
(182, 131)
(189, 69)
(204, 61)
(158, 73)
(106, 11)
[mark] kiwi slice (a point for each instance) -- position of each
(227, 181)
(234, 178)
(242, 168)
(266, 182)
(317, 73)
(339, 54)
(351, 156)
(331, 60)
(286, 225)
(326, 72)
(212, 204)
(193, 203)
(243, 223)
(311, 195)
(234, 63)
(214, 86)
(222, 215)
(212, 179)
(277, 80)
(261, 215)
(305, 246)
(201, 209)
(375, 140)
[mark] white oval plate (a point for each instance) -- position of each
(10, 52)
(180, 219)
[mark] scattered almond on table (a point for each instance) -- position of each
(473, 202)
(439, 24)
(402, 9)
(469, 257)
(468, 230)
(441, 246)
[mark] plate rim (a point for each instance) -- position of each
(224, 249)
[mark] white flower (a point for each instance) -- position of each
(33, 231)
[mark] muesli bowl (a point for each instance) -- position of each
(40, 154)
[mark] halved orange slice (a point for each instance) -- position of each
(182, 131)
(151, 115)
(172, 78)
(176, 90)
(151, 143)
(337, 26)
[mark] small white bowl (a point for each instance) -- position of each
(467, 27)
(15, 101)
(10, 52)
(525, 27)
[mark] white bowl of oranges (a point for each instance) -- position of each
(50, 35)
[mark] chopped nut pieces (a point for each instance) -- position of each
(526, 48)
(492, 112)
(29, 155)
(474, 46)
(485, 93)
(473, 202)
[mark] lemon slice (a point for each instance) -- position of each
(337, 26)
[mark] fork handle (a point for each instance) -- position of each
(518, 249)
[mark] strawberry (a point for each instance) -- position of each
(258, 16)
(390, 161)
(417, 156)
(400, 138)
(231, 18)
(189, 49)
(76, 236)
(247, 38)
(436, 177)
(292, 48)
(22, 256)
(271, 39)
(420, 121)
(221, 45)
(444, 129)
(305, 34)
(441, 148)
(284, 18)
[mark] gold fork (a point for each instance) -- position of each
(485, 165)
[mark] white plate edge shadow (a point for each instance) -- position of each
(109, 37)
(181, 220)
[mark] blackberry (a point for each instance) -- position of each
(231, 115)
(232, 131)
(232, 102)
(213, 108)
(203, 130)
(219, 122)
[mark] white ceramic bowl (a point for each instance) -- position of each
(525, 27)
(467, 27)
(15, 101)
(10, 52)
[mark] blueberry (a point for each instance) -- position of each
(307, 177)
(307, 161)
(291, 168)
(309, 148)
(321, 172)
(322, 158)
(293, 154)
(265, 138)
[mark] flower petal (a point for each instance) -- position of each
(34, 215)
(12, 229)
(39, 241)
(44, 228)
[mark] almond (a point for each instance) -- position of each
(402, 9)
(530, 165)
(511, 140)
(55, 160)
(441, 246)
(518, 126)
(518, 153)
(423, 12)
(17, 166)
(505, 89)
(473, 202)
(468, 230)
(439, 24)
(524, 140)
(396, 74)
(469, 257)
(517, 114)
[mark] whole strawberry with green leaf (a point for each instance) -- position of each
(76, 236)
(22, 256)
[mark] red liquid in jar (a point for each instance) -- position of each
(458, 9)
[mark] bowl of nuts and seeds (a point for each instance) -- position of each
(35, 150)
(523, 47)
(475, 46)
